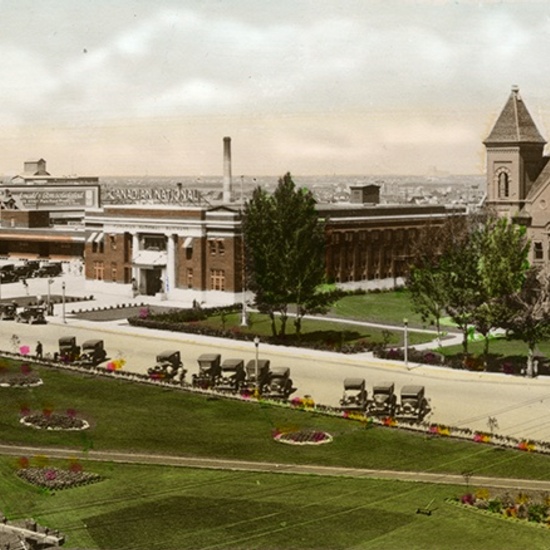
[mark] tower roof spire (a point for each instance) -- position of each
(514, 125)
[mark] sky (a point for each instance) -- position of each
(314, 87)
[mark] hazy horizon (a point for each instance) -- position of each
(385, 87)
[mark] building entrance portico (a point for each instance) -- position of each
(150, 281)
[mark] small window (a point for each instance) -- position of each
(221, 248)
(212, 247)
(189, 277)
(503, 185)
(217, 279)
(112, 240)
(99, 271)
(113, 271)
(539, 254)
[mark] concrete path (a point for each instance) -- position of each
(271, 467)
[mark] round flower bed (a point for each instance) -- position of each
(54, 421)
(55, 478)
(303, 437)
(19, 380)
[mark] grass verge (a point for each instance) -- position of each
(132, 417)
(150, 507)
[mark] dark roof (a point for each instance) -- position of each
(515, 125)
(542, 179)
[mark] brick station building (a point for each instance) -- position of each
(195, 252)
(172, 245)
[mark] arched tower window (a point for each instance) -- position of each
(503, 185)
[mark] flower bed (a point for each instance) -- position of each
(56, 478)
(21, 381)
(54, 421)
(523, 506)
(23, 378)
(303, 437)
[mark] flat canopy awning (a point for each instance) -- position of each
(188, 243)
(99, 238)
(91, 238)
(150, 258)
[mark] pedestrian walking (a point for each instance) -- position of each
(134, 288)
(26, 285)
(38, 350)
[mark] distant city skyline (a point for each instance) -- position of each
(136, 87)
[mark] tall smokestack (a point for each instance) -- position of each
(227, 169)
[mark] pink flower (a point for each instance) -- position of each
(50, 475)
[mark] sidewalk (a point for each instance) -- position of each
(74, 286)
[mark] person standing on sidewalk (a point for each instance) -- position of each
(38, 350)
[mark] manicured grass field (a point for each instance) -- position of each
(131, 417)
(150, 507)
(378, 307)
(147, 507)
(320, 330)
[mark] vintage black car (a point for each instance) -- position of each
(168, 366)
(26, 270)
(264, 375)
(69, 351)
(92, 353)
(413, 405)
(355, 395)
(231, 377)
(209, 370)
(49, 269)
(280, 383)
(384, 400)
(31, 315)
(7, 274)
(8, 311)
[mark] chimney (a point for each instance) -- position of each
(227, 191)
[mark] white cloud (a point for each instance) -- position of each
(396, 65)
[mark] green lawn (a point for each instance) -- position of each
(145, 508)
(325, 331)
(133, 417)
(378, 307)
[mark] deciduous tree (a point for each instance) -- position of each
(529, 318)
(285, 251)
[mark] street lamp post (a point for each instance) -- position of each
(49, 295)
(63, 300)
(256, 377)
(406, 342)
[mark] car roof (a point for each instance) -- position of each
(167, 353)
(354, 383)
(262, 364)
(412, 390)
(91, 343)
(232, 363)
(383, 386)
(280, 371)
(209, 357)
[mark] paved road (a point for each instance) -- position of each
(459, 398)
(520, 406)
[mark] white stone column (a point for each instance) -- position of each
(135, 253)
(171, 264)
